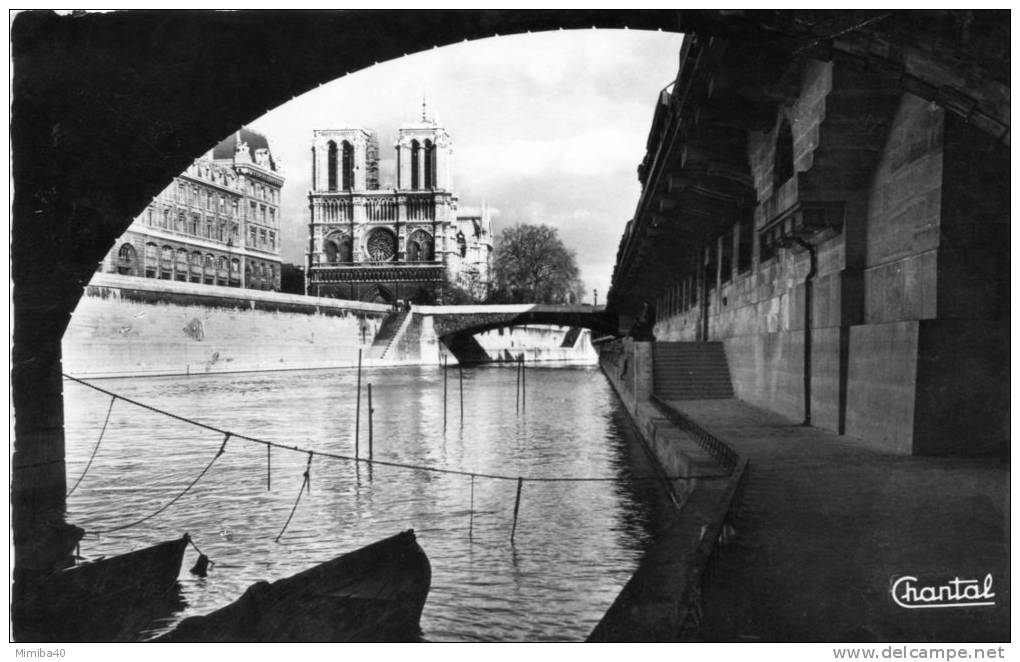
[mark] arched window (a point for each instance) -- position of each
(415, 159)
(223, 265)
(127, 260)
(348, 166)
(430, 165)
(181, 265)
(419, 247)
(210, 262)
(331, 166)
(332, 249)
(782, 166)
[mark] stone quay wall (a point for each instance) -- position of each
(127, 326)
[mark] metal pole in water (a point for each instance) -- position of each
(370, 412)
(471, 520)
(517, 392)
(357, 410)
(524, 385)
(446, 364)
(269, 467)
(517, 506)
(460, 369)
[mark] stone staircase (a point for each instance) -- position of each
(691, 371)
(391, 328)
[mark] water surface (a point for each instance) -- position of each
(576, 543)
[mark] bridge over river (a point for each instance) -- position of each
(456, 326)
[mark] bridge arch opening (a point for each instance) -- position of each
(67, 212)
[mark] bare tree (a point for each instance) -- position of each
(533, 266)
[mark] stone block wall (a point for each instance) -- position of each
(117, 333)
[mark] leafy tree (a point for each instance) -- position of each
(533, 266)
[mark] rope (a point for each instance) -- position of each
(396, 465)
(176, 498)
(94, 450)
(306, 483)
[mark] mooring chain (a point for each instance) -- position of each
(95, 450)
(187, 489)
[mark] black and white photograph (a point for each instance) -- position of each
(362, 326)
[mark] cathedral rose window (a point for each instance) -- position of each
(381, 246)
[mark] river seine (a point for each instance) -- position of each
(576, 543)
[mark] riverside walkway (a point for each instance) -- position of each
(828, 523)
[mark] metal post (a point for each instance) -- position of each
(269, 467)
(446, 364)
(517, 391)
(524, 385)
(460, 374)
(517, 506)
(370, 412)
(471, 520)
(357, 410)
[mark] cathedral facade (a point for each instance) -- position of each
(404, 242)
(217, 223)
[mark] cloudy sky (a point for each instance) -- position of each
(546, 128)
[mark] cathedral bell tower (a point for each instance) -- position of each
(423, 156)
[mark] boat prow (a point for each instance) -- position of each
(375, 593)
(111, 599)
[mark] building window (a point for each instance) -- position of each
(127, 260)
(262, 215)
(272, 240)
(348, 166)
(419, 247)
(235, 209)
(331, 166)
(415, 159)
(272, 217)
(251, 236)
(782, 165)
(193, 229)
(262, 238)
(381, 245)
(430, 165)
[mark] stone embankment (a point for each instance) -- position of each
(129, 327)
(812, 534)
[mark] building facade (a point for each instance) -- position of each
(407, 242)
(218, 223)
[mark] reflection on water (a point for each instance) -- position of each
(576, 543)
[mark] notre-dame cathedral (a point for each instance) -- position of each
(404, 241)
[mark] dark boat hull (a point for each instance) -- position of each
(113, 599)
(375, 593)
